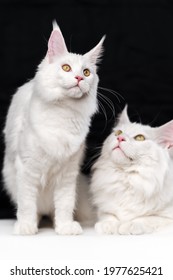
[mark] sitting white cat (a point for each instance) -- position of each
(46, 127)
(132, 181)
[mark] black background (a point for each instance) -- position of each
(137, 63)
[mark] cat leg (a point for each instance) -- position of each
(64, 207)
(144, 225)
(9, 175)
(64, 201)
(108, 224)
(27, 218)
(27, 191)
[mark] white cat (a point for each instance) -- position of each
(45, 132)
(132, 181)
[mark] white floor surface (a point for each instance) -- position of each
(152, 249)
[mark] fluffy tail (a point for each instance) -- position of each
(85, 212)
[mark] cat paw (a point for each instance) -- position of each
(106, 227)
(135, 228)
(69, 228)
(24, 228)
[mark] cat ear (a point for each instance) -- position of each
(123, 117)
(95, 54)
(56, 43)
(164, 134)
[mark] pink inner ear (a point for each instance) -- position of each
(165, 134)
(56, 45)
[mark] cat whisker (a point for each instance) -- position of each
(96, 148)
(91, 160)
(115, 93)
(155, 118)
(103, 110)
(108, 102)
(71, 42)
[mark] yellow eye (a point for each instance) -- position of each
(66, 67)
(139, 137)
(118, 132)
(86, 72)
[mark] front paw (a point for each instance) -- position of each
(68, 228)
(107, 227)
(25, 228)
(134, 227)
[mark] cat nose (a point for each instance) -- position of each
(121, 138)
(79, 78)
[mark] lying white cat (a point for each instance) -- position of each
(45, 132)
(132, 181)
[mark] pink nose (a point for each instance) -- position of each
(79, 78)
(121, 138)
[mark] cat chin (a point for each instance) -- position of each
(119, 157)
(76, 93)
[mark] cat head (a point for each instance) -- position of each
(67, 75)
(130, 143)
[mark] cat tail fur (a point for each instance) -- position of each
(85, 213)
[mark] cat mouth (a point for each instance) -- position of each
(119, 148)
(75, 86)
(77, 93)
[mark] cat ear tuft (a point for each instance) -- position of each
(55, 25)
(96, 53)
(164, 135)
(123, 117)
(56, 43)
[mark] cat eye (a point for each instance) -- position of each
(66, 67)
(139, 137)
(118, 132)
(86, 72)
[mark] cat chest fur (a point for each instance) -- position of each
(61, 131)
(127, 192)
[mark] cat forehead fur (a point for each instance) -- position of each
(77, 62)
(132, 128)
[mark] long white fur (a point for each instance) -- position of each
(132, 186)
(45, 131)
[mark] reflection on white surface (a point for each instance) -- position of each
(88, 246)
